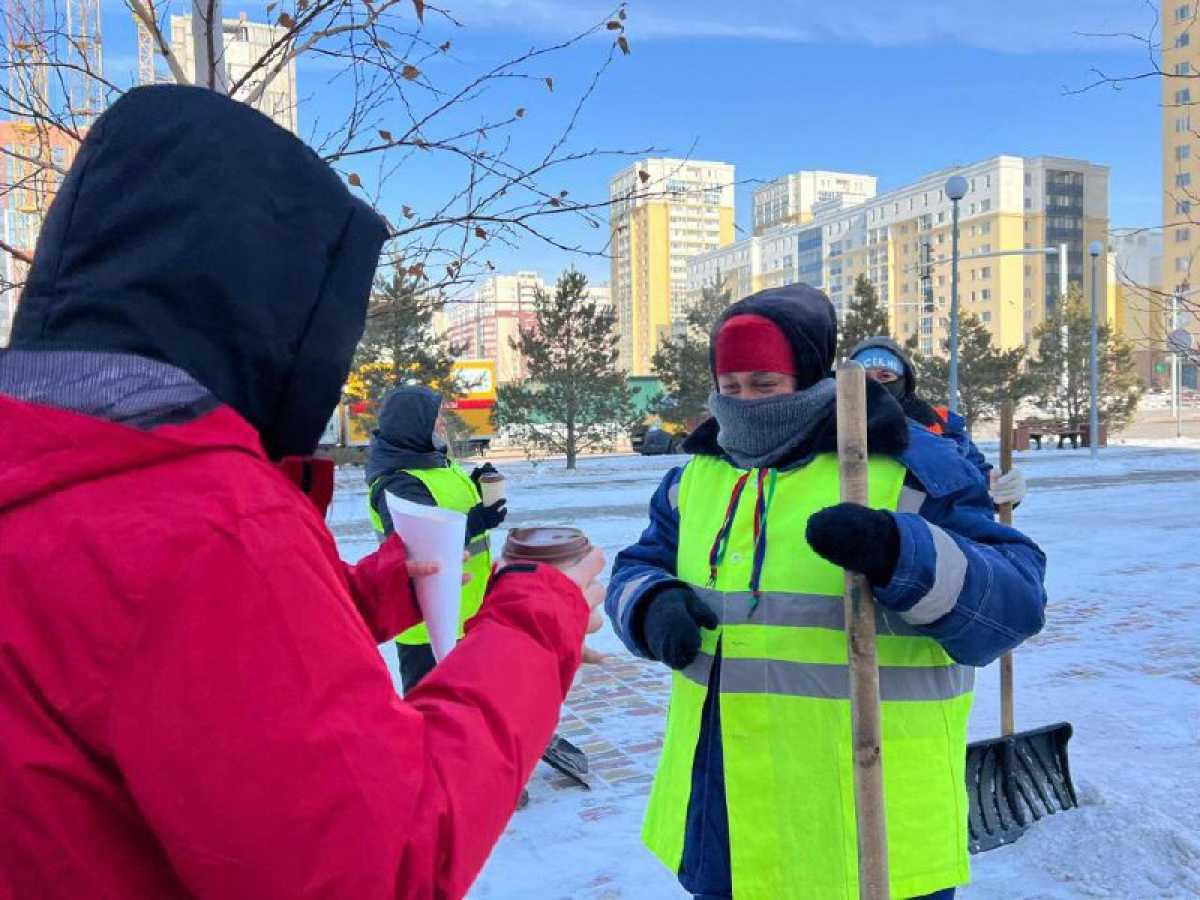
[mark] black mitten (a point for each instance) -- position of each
(857, 538)
(484, 518)
(671, 625)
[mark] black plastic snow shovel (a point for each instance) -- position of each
(1019, 777)
(567, 759)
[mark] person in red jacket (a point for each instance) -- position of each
(192, 702)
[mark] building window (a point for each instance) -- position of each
(1182, 40)
(1181, 235)
(1183, 179)
(1183, 207)
(985, 272)
(1183, 96)
(1181, 264)
(985, 205)
(1028, 205)
(1183, 68)
(987, 182)
(1182, 124)
(1028, 294)
(1183, 151)
(985, 228)
(1028, 179)
(987, 316)
(985, 294)
(1182, 12)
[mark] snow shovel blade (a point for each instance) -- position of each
(567, 759)
(1013, 781)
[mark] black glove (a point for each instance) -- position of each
(671, 625)
(859, 539)
(485, 469)
(484, 518)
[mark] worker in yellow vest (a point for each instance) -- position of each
(409, 458)
(736, 585)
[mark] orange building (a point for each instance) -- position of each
(32, 163)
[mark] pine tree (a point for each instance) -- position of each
(682, 362)
(398, 346)
(575, 397)
(1070, 401)
(987, 376)
(865, 317)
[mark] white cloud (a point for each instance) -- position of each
(1015, 26)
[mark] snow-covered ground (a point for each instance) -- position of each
(1119, 659)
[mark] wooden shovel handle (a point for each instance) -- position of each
(1007, 717)
(860, 634)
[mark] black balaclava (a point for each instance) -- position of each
(405, 438)
(195, 231)
(902, 387)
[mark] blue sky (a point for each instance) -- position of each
(894, 88)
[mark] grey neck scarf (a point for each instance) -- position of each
(761, 433)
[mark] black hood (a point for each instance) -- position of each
(886, 343)
(404, 438)
(194, 231)
(806, 318)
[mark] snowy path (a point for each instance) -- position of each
(1119, 659)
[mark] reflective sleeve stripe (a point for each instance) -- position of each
(794, 611)
(831, 681)
(477, 546)
(630, 591)
(911, 500)
(673, 496)
(950, 573)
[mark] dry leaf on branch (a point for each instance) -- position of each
(410, 72)
(550, 83)
(355, 180)
(419, 6)
(520, 113)
(408, 213)
(614, 26)
(385, 135)
(623, 43)
(644, 175)
(480, 233)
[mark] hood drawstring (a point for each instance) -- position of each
(762, 508)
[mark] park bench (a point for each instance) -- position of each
(1036, 429)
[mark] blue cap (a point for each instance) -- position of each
(879, 358)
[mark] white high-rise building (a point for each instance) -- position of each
(246, 43)
(493, 316)
(795, 198)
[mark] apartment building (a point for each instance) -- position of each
(246, 43)
(901, 241)
(791, 200)
(1180, 24)
(663, 212)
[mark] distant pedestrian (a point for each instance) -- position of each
(887, 364)
(409, 458)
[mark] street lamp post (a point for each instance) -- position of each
(956, 189)
(1093, 363)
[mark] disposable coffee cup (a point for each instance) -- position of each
(491, 488)
(556, 546)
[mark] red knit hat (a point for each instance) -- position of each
(753, 343)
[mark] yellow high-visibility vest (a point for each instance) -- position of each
(451, 488)
(785, 703)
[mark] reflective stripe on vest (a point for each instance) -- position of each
(785, 709)
(451, 488)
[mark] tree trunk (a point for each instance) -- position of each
(570, 442)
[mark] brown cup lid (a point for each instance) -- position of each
(546, 544)
(490, 477)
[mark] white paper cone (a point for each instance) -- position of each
(431, 534)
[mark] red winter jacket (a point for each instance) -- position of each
(191, 698)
